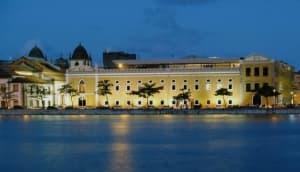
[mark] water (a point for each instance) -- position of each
(150, 143)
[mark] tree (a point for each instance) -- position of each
(6, 96)
(103, 89)
(147, 90)
(182, 96)
(267, 91)
(67, 89)
(39, 92)
(223, 92)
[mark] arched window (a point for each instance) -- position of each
(81, 87)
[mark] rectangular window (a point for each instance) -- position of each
(230, 102)
(208, 102)
(162, 102)
(256, 71)
(196, 102)
(185, 87)
(3, 87)
(266, 84)
(128, 87)
(256, 86)
(230, 86)
(265, 71)
(173, 87)
(117, 88)
(219, 102)
(15, 87)
(248, 87)
(196, 87)
(248, 71)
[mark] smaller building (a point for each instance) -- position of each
(109, 57)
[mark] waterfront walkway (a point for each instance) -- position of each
(148, 111)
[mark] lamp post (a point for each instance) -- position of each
(274, 93)
(292, 99)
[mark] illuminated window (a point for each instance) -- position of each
(208, 85)
(3, 87)
(81, 87)
(15, 87)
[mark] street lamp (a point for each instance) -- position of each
(293, 96)
(274, 93)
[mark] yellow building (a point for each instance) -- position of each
(201, 76)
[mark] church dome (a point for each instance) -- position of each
(80, 53)
(36, 52)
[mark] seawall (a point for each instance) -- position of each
(148, 111)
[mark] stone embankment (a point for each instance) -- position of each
(148, 111)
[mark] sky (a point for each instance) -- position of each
(152, 28)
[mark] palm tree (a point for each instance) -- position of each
(67, 89)
(182, 96)
(104, 89)
(223, 92)
(268, 91)
(147, 90)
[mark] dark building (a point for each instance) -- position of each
(36, 52)
(109, 57)
(62, 63)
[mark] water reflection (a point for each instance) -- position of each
(120, 158)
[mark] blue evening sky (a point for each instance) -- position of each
(152, 28)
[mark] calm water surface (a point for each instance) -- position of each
(150, 143)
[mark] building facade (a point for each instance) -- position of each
(200, 76)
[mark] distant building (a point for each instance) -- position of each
(109, 57)
(32, 82)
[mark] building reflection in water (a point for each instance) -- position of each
(121, 159)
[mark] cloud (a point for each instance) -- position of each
(185, 2)
(166, 36)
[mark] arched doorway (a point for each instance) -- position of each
(257, 100)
